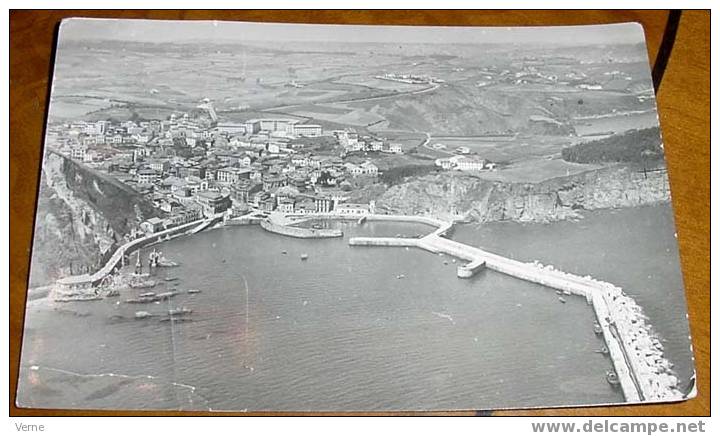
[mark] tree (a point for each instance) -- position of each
(638, 146)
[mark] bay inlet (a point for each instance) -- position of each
(341, 331)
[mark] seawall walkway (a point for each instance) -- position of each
(127, 248)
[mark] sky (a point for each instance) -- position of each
(226, 31)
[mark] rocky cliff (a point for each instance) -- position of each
(452, 195)
(81, 217)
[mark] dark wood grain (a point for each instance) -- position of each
(683, 100)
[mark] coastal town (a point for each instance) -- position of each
(198, 167)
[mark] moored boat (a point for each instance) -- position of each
(597, 329)
(179, 311)
(166, 263)
(140, 284)
(166, 295)
(144, 300)
(193, 291)
(612, 378)
(169, 318)
(73, 298)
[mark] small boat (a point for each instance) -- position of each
(612, 378)
(142, 315)
(304, 256)
(558, 292)
(567, 292)
(562, 300)
(597, 329)
(144, 300)
(401, 276)
(146, 295)
(171, 279)
(77, 298)
(166, 295)
(168, 319)
(603, 351)
(193, 291)
(139, 284)
(445, 262)
(284, 252)
(164, 262)
(179, 311)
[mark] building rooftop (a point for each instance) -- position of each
(210, 195)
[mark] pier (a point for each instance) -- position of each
(282, 225)
(88, 280)
(636, 354)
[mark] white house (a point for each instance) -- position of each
(395, 148)
(469, 164)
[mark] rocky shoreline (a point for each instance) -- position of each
(467, 197)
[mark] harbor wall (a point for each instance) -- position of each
(244, 220)
(442, 227)
(299, 232)
(643, 372)
(469, 270)
(383, 242)
(124, 250)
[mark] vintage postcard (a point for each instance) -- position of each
(274, 217)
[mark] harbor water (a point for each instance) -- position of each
(356, 328)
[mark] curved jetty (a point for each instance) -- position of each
(277, 224)
(118, 258)
(637, 354)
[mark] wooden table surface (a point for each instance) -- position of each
(683, 101)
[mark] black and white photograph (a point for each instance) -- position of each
(238, 216)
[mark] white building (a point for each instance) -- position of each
(395, 148)
(147, 176)
(309, 130)
(369, 168)
(78, 152)
(232, 174)
(352, 209)
(469, 164)
(232, 128)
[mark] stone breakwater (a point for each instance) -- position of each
(644, 373)
(299, 232)
(616, 311)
